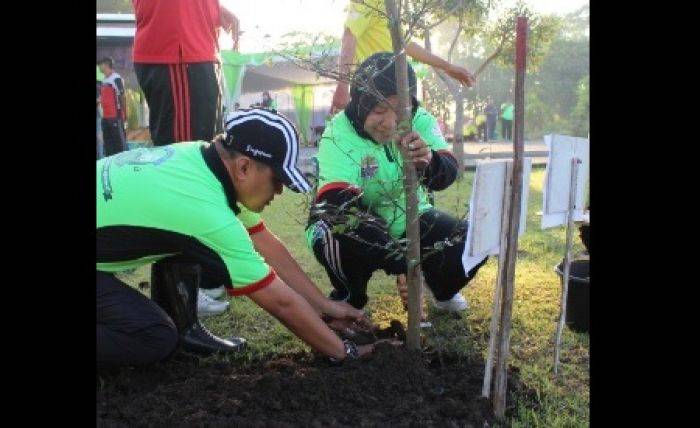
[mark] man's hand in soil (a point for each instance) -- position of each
(365, 350)
(346, 318)
(342, 314)
(418, 150)
(337, 309)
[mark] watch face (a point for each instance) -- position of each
(351, 349)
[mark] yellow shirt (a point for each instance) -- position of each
(370, 29)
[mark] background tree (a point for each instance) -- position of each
(477, 42)
(551, 87)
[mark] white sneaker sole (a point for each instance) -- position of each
(448, 306)
(207, 312)
(214, 293)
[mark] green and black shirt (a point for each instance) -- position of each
(348, 163)
(176, 201)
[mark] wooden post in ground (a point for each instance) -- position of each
(410, 180)
(494, 330)
(508, 271)
(567, 259)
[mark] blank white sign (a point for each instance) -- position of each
(557, 179)
(486, 210)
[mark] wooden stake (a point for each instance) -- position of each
(494, 330)
(567, 259)
(513, 221)
(410, 181)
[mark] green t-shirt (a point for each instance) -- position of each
(345, 157)
(176, 200)
(507, 111)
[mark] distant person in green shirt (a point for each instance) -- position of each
(357, 222)
(192, 208)
(268, 102)
(507, 121)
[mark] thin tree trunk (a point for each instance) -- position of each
(458, 141)
(567, 261)
(410, 181)
(501, 384)
(456, 92)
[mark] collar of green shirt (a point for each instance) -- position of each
(217, 167)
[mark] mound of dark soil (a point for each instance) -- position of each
(395, 387)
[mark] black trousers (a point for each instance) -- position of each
(491, 122)
(481, 132)
(131, 328)
(350, 264)
(507, 129)
(184, 105)
(113, 136)
(183, 100)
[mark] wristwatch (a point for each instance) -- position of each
(351, 351)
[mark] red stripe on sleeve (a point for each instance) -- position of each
(257, 228)
(254, 286)
(336, 185)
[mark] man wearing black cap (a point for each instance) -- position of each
(180, 206)
(358, 221)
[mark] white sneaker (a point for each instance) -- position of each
(456, 304)
(214, 293)
(208, 306)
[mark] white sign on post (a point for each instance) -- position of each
(557, 179)
(486, 210)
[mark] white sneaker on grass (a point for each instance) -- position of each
(208, 306)
(214, 293)
(456, 304)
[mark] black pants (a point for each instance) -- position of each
(481, 132)
(183, 100)
(350, 264)
(507, 129)
(131, 329)
(113, 136)
(184, 104)
(491, 122)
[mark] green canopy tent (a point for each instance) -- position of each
(269, 71)
(259, 72)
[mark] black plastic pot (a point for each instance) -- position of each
(585, 234)
(579, 297)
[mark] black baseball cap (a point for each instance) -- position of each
(269, 138)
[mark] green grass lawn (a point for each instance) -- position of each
(561, 402)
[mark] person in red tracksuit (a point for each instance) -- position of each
(113, 100)
(176, 65)
(175, 59)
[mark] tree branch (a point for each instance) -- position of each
(493, 56)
